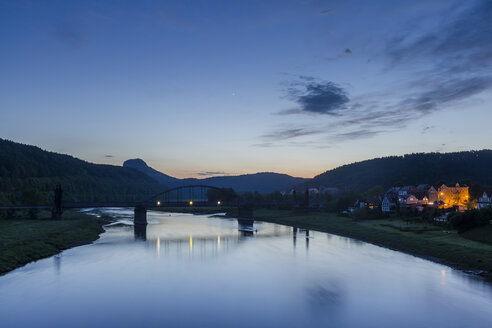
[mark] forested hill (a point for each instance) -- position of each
(264, 182)
(29, 174)
(413, 169)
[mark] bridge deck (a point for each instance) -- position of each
(147, 204)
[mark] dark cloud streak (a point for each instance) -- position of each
(316, 97)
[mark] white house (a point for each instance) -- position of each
(387, 204)
(484, 201)
(329, 190)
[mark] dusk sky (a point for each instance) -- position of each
(197, 88)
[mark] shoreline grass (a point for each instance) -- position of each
(25, 240)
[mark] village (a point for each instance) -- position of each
(448, 197)
(454, 197)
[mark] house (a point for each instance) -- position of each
(484, 201)
(372, 203)
(388, 203)
(432, 195)
(312, 191)
(453, 196)
(334, 191)
(393, 190)
(442, 218)
(404, 190)
(408, 200)
(422, 187)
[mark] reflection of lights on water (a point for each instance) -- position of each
(158, 246)
(443, 277)
(218, 241)
(191, 244)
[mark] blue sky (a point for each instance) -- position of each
(234, 87)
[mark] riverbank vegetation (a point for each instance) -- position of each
(23, 240)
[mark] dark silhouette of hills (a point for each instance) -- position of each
(433, 168)
(160, 177)
(264, 182)
(30, 174)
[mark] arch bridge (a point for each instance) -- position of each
(192, 195)
(181, 196)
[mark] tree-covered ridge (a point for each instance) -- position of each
(29, 174)
(412, 169)
(263, 182)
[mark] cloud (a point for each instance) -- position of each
(443, 67)
(358, 134)
(460, 43)
(70, 34)
(212, 173)
(345, 53)
(446, 92)
(426, 129)
(284, 134)
(316, 97)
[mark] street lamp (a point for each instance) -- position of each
(191, 203)
(218, 202)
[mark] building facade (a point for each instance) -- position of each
(484, 201)
(453, 196)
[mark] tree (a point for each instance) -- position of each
(374, 191)
(222, 195)
(32, 196)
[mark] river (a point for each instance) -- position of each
(200, 271)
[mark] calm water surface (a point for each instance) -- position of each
(197, 271)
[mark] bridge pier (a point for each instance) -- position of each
(245, 219)
(140, 215)
(245, 212)
(57, 211)
(140, 232)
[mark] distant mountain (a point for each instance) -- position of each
(412, 169)
(30, 172)
(141, 166)
(262, 182)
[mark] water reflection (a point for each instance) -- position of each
(57, 263)
(198, 271)
(140, 232)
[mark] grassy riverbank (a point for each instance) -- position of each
(23, 241)
(439, 245)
